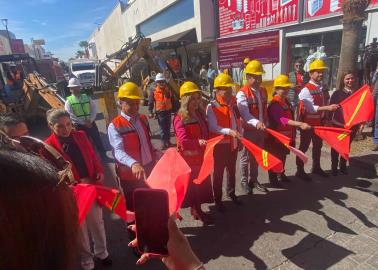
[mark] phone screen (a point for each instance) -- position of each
(151, 218)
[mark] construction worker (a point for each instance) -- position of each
(281, 119)
(162, 101)
(83, 112)
(129, 136)
(191, 131)
(222, 117)
(174, 64)
(252, 104)
(312, 108)
(243, 77)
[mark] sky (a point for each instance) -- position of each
(61, 23)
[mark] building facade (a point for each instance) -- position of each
(185, 27)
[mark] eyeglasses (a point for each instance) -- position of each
(37, 147)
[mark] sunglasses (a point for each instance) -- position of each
(39, 148)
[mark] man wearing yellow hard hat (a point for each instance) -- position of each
(130, 138)
(223, 120)
(252, 104)
(281, 119)
(312, 108)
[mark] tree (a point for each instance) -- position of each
(354, 15)
(80, 54)
(84, 44)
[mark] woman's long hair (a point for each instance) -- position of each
(342, 85)
(183, 112)
(38, 216)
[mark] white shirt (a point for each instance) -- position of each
(308, 99)
(116, 142)
(243, 107)
(81, 120)
(213, 123)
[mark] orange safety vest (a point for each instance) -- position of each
(313, 119)
(223, 115)
(193, 131)
(174, 63)
(131, 143)
(286, 130)
(163, 99)
(253, 103)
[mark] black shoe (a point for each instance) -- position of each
(334, 171)
(260, 187)
(235, 200)
(220, 207)
(344, 170)
(246, 188)
(283, 178)
(303, 175)
(106, 262)
(320, 172)
(274, 180)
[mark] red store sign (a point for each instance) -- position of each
(318, 9)
(263, 46)
(237, 16)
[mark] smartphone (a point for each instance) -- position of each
(151, 219)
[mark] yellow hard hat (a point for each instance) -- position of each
(223, 80)
(188, 88)
(246, 60)
(318, 64)
(130, 90)
(282, 81)
(254, 67)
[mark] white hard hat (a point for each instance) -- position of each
(173, 53)
(160, 77)
(74, 82)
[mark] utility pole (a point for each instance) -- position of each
(5, 23)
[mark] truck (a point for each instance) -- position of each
(84, 70)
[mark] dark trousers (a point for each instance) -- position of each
(224, 158)
(306, 137)
(278, 150)
(164, 121)
(335, 160)
(94, 135)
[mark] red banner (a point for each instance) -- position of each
(263, 46)
(248, 15)
(318, 9)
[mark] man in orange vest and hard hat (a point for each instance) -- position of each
(312, 108)
(162, 101)
(129, 135)
(223, 119)
(252, 104)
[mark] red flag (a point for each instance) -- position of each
(172, 174)
(266, 160)
(286, 141)
(113, 200)
(358, 108)
(85, 196)
(282, 138)
(207, 166)
(337, 138)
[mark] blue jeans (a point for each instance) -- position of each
(376, 124)
(164, 121)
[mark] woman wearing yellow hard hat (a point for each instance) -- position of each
(223, 120)
(191, 132)
(281, 119)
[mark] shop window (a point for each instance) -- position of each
(177, 13)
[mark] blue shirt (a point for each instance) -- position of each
(211, 73)
(116, 142)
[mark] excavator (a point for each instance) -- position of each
(136, 51)
(36, 94)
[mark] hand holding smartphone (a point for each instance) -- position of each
(151, 218)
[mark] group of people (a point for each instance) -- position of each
(246, 114)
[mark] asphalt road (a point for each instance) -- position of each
(329, 223)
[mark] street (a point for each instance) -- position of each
(329, 223)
